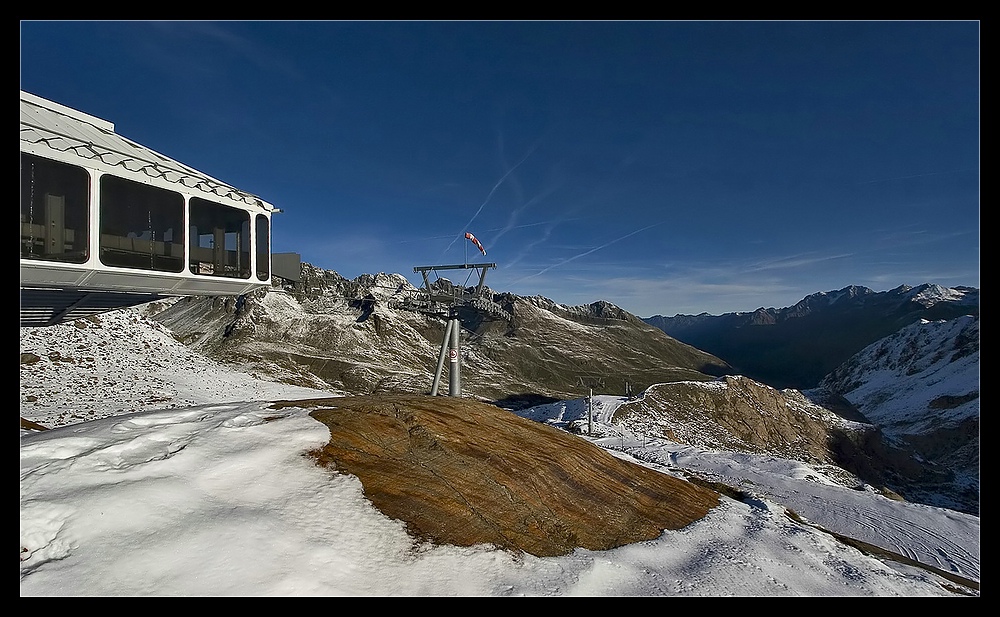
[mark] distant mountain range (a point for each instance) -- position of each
(797, 346)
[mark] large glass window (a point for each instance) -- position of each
(142, 226)
(263, 247)
(55, 204)
(220, 239)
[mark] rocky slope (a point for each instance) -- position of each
(355, 336)
(921, 386)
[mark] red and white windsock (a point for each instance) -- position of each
(469, 236)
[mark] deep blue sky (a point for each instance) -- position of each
(666, 167)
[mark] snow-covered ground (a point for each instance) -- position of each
(169, 476)
(894, 383)
(120, 362)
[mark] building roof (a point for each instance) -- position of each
(48, 125)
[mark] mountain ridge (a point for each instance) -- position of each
(357, 336)
(796, 346)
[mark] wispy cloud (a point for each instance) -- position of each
(796, 261)
(923, 175)
(914, 237)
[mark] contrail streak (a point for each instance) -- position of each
(461, 234)
(585, 253)
(512, 218)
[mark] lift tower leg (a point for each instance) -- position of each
(453, 332)
(455, 370)
(450, 344)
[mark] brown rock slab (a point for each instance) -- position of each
(461, 472)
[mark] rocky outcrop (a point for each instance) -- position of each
(741, 415)
(734, 413)
(454, 470)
